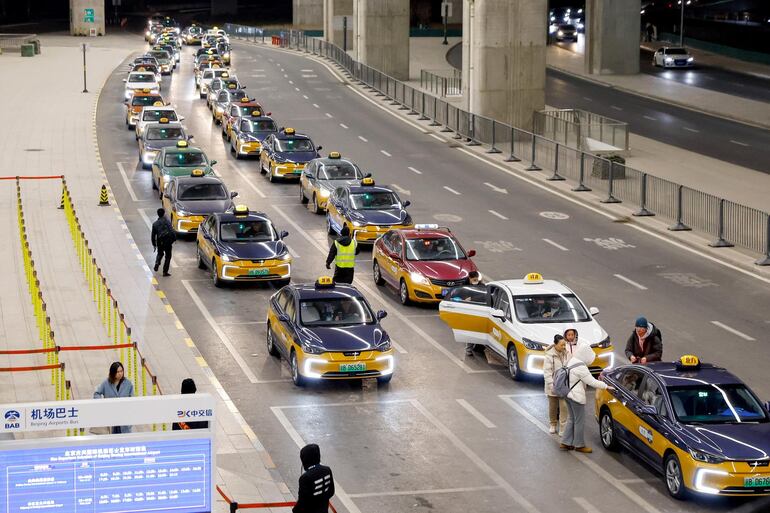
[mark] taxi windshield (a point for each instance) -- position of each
(542, 308)
(155, 115)
(225, 84)
(160, 54)
(247, 231)
(290, 145)
(237, 95)
(163, 134)
(144, 100)
(141, 77)
(264, 125)
(339, 171)
(436, 248)
(376, 200)
(187, 158)
(716, 404)
(202, 191)
(335, 311)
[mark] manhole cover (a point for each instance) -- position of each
(34, 149)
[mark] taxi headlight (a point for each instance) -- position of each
(226, 258)
(358, 224)
(385, 345)
(533, 345)
(418, 278)
(310, 349)
(184, 213)
(560, 33)
(285, 256)
(705, 457)
(604, 344)
(669, 60)
(690, 59)
(324, 193)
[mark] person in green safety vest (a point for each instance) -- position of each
(343, 253)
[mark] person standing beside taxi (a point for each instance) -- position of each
(645, 344)
(556, 357)
(343, 253)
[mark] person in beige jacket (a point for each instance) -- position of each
(556, 356)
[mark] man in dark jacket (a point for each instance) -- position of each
(316, 485)
(645, 344)
(343, 253)
(162, 238)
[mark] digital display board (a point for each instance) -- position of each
(170, 474)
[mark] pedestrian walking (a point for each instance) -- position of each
(188, 387)
(116, 385)
(579, 378)
(556, 357)
(645, 343)
(343, 253)
(316, 484)
(473, 279)
(162, 237)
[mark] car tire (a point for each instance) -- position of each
(271, 177)
(514, 370)
(329, 228)
(403, 293)
(201, 261)
(315, 208)
(215, 275)
(672, 473)
(302, 197)
(384, 380)
(296, 377)
(377, 274)
(155, 185)
(270, 340)
(607, 431)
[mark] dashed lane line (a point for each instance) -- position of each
(328, 115)
(615, 107)
(456, 193)
(630, 281)
(739, 143)
(343, 125)
(498, 214)
(587, 506)
(316, 106)
(650, 118)
(691, 129)
(476, 413)
(554, 244)
(385, 153)
(127, 182)
(414, 170)
(733, 331)
(363, 138)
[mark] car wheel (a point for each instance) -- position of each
(513, 363)
(215, 274)
(672, 470)
(376, 273)
(384, 380)
(607, 431)
(329, 228)
(403, 293)
(302, 198)
(201, 261)
(154, 185)
(296, 377)
(271, 349)
(316, 209)
(271, 176)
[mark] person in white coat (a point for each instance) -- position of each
(579, 378)
(556, 357)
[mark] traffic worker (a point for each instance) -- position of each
(162, 238)
(316, 485)
(343, 253)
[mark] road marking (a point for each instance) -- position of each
(249, 182)
(285, 75)
(498, 214)
(291, 82)
(363, 138)
(400, 189)
(630, 282)
(438, 137)
(733, 331)
(650, 118)
(392, 493)
(739, 143)
(385, 153)
(691, 129)
(476, 413)
(149, 226)
(316, 106)
(305, 97)
(452, 191)
(615, 107)
(224, 338)
(343, 125)
(586, 98)
(309, 76)
(496, 188)
(307, 71)
(127, 182)
(415, 170)
(399, 347)
(557, 246)
(328, 115)
(587, 506)
(296, 89)
(259, 76)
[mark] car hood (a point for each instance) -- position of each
(589, 332)
(384, 217)
(745, 441)
(297, 156)
(362, 337)
(443, 269)
(205, 207)
(255, 250)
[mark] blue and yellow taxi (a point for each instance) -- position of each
(696, 423)
(286, 153)
(328, 331)
(243, 246)
(367, 210)
(248, 132)
(190, 199)
(323, 175)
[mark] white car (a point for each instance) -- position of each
(518, 319)
(673, 57)
(153, 115)
(208, 75)
(138, 80)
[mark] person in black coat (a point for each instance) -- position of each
(162, 238)
(188, 387)
(645, 343)
(316, 485)
(341, 274)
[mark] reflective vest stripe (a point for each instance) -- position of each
(346, 255)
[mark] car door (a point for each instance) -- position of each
(652, 429)
(466, 310)
(337, 211)
(501, 329)
(288, 326)
(396, 266)
(627, 392)
(307, 178)
(168, 196)
(209, 230)
(266, 153)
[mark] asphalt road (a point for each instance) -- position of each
(450, 433)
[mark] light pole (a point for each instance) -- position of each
(681, 24)
(445, 12)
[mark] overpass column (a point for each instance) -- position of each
(381, 33)
(334, 12)
(307, 14)
(504, 58)
(613, 29)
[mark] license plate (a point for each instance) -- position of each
(756, 482)
(352, 367)
(258, 272)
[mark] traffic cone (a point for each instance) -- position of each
(104, 201)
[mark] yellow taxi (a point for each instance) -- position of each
(518, 319)
(323, 175)
(285, 154)
(138, 101)
(328, 331)
(697, 424)
(190, 199)
(243, 246)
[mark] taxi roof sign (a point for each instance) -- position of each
(533, 278)
(688, 361)
(288, 131)
(324, 282)
(334, 155)
(197, 172)
(231, 86)
(225, 74)
(241, 210)
(426, 227)
(163, 120)
(367, 181)
(245, 99)
(158, 104)
(181, 144)
(256, 113)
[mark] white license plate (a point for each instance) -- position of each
(352, 367)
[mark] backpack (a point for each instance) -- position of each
(165, 234)
(561, 386)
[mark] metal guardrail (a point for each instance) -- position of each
(15, 40)
(437, 82)
(729, 223)
(582, 129)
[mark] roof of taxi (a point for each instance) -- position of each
(522, 288)
(330, 161)
(706, 373)
(198, 179)
(309, 290)
(285, 137)
(426, 233)
(252, 215)
(185, 149)
(357, 189)
(170, 124)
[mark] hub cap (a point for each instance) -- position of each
(672, 476)
(606, 430)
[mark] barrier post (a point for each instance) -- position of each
(532, 165)
(555, 176)
(581, 187)
(512, 157)
(494, 149)
(68, 396)
(108, 308)
(423, 117)
(134, 372)
(679, 226)
(144, 377)
(765, 260)
(115, 314)
(122, 336)
(643, 199)
(127, 355)
(721, 242)
(610, 197)
(154, 392)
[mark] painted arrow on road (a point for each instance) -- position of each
(496, 188)
(401, 190)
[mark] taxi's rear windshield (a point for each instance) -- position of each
(247, 231)
(155, 115)
(141, 77)
(202, 191)
(335, 312)
(716, 404)
(375, 200)
(144, 101)
(339, 171)
(187, 158)
(157, 133)
(160, 54)
(266, 125)
(545, 308)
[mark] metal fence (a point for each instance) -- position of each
(582, 129)
(444, 82)
(728, 223)
(15, 40)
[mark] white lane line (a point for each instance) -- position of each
(307, 71)
(296, 89)
(259, 76)
(224, 338)
(249, 182)
(309, 76)
(586, 98)
(305, 97)
(557, 246)
(691, 129)
(630, 282)
(476, 413)
(733, 331)
(363, 138)
(414, 170)
(328, 115)
(127, 182)
(258, 70)
(498, 214)
(343, 125)
(316, 106)
(615, 107)
(587, 506)
(438, 137)
(739, 143)
(385, 153)
(291, 82)
(285, 75)
(496, 188)
(452, 191)
(147, 221)
(396, 493)
(399, 347)
(650, 118)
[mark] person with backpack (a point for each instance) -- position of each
(556, 357)
(316, 484)
(570, 383)
(162, 238)
(645, 343)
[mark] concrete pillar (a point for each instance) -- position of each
(382, 35)
(220, 7)
(504, 58)
(612, 37)
(86, 15)
(335, 13)
(307, 14)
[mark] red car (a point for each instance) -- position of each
(423, 263)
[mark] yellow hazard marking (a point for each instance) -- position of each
(161, 294)
(169, 309)
(201, 361)
(189, 342)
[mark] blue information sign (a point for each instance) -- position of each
(172, 475)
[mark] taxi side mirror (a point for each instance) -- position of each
(283, 234)
(181, 118)
(767, 406)
(233, 194)
(125, 79)
(381, 314)
(471, 253)
(498, 314)
(213, 162)
(319, 148)
(646, 409)
(189, 137)
(593, 310)
(407, 203)
(283, 317)
(244, 87)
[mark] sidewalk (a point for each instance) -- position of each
(66, 144)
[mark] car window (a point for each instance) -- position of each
(202, 191)
(397, 244)
(144, 101)
(208, 224)
(714, 403)
(165, 134)
(247, 231)
(631, 381)
(374, 200)
(283, 297)
(433, 248)
(473, 294)
(335, 311)
(290, 310)
(183, 159)
(500, 301)
(544, 308)
(339, 171)
(292, 145)
(652, 394)
(141, 77)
